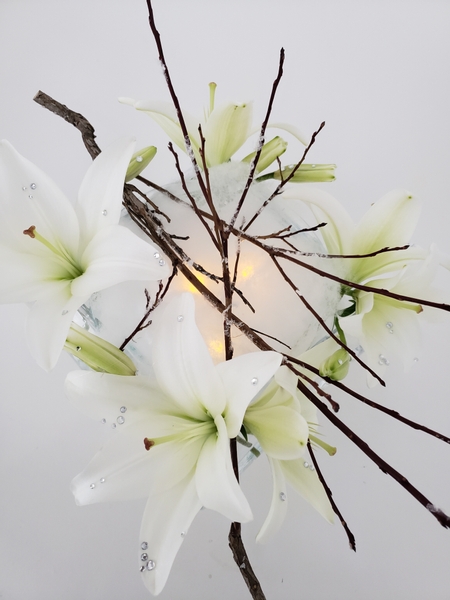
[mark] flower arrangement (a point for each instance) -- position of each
(194, 378)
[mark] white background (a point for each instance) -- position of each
(378, 73)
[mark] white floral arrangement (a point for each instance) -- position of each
(253, 297)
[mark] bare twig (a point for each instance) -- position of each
(72, 117)
(288, 178)
(261, 139)
(351, 537)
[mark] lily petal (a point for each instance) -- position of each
(48, 322)
(278, 506)
(226, 130)
(163, 530)
(183, 366)
(339, 229)
(115, 254)
(216, 482)
(391, 221)
(281, 431)
(165, 115)
(307, 484)
(243, 378)
(30, 197)
(100, 195)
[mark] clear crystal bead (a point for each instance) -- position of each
(382, 360)
(254, 381)
(144, 556)
(157, 255)
(282, 496)
(151, 565)
(123, 409)
(180, 318)
(92, 486)
(138, 158)
(102, 480)
(120, 420)
(33, 186)
(144, 546)
(104, 213)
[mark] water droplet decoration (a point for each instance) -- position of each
(183, 533)
(157, 255)
(382, 360)
(30, 197)
(151, 565)
(33, 186)
(254, 381)
(103, 421)
(113, 426)
(144, 546)
(161, 263)
(311, 467)
(120, 420)
(92, 486)
(24, 187)
(180, 318)
(306, 464)
(102, 480)
(138, 158)
(123, 409)
(142, 568)
(390, 327)
(104, 213)
(64, 312)
(144, 556)
(282, 496)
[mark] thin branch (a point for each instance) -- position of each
(143, 323)
(261, 139)
(438, 514)
(325, 326)
(173, 95)
(351, 537)
(288, 178)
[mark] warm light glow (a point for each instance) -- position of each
(191, 288)
(216, 347)
(247, 271)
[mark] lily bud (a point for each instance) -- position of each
(97, 353)
(307, 173)
(336, 366)
(270, 152)
(139, 161)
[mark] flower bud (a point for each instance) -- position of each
(139, 161)
(97, 353)
(336, 366)
(270, 152)
(307, 173)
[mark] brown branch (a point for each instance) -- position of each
(241, 559)
(261, 139)
(351, 537)
(162, 291)
(288, 178)
(74, 118)
(325, 326)
(438, 514)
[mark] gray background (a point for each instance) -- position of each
(378, 73)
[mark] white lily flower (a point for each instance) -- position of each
(383, 326)
(67, 253)
(171, 442)
(225, 128)
(280, 419)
